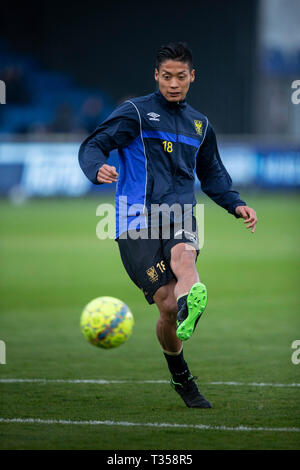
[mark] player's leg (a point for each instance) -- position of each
(166, 323)
(190, 293)
(183, 265)
(181, 251)
(146, 265)
(182, 380)
(166, 331)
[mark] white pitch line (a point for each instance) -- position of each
(255, 384)
(107, 382)
(202, 427)
(82, 381)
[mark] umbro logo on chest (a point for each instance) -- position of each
(153, 116)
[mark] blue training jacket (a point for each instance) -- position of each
(160, 145)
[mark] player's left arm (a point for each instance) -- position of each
(216, 182)
(249, 216)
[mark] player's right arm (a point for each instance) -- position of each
(107, 174)
(117, 131)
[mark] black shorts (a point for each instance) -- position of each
(147, 261)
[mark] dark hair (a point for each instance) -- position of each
(174, 51)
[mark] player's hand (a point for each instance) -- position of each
(107, 174)
(249, 216)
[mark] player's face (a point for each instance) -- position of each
(174, 79)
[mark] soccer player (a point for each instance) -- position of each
(162, 141)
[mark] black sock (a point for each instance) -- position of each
(181, 301)
(178, 367)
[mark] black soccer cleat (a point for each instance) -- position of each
(190, 393)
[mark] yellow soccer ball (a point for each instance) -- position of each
(106, 322)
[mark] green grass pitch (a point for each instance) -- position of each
(52, 264)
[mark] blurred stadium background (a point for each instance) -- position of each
(65, 68)
(65, 72)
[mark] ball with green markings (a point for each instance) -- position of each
(106, 322)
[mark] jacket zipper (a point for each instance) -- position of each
(176, 154)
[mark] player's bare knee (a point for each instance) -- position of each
(168, 306)
(166, 302)
(183, 261)
(168, 320)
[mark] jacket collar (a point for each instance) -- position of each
(178, 105)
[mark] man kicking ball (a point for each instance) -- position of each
(161, 141)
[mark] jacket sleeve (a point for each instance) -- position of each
(117, 131)
(215, 180)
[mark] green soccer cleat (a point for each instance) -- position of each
(189, 315)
